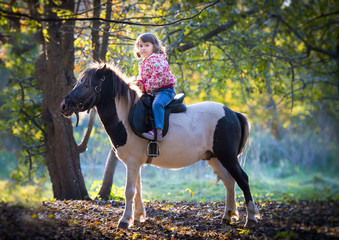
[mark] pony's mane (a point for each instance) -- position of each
(123, 86)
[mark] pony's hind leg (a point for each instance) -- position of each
(231, 212)
(233, 167)
(227, 141)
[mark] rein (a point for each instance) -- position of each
(91, 98)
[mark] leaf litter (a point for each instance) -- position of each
(169, 220)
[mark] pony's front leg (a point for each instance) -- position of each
(139, 210)
(133, 170)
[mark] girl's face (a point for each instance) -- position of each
(146, 49)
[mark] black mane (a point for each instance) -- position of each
(123, 86)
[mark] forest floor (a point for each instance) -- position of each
(169, 220)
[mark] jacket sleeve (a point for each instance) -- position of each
(139, 78)
(161, 75)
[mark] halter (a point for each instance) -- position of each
(91, 98)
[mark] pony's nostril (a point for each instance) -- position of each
(62, 106)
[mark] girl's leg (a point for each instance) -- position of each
(162, 98)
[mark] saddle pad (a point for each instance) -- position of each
(140, 116)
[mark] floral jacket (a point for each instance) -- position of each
(155, 73)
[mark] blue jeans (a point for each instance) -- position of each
(162, 97)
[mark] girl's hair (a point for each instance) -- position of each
(151, 38)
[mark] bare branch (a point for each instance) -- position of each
(325, 25)
(83, 145)
(214, 32)
(308, 46)
(321, 16)
(14, 15)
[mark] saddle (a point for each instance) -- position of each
(141, 115)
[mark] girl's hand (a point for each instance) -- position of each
(140, 85)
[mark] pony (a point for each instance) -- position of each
(205, 131)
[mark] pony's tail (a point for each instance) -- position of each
(245, 131)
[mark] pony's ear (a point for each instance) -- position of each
(104, 67)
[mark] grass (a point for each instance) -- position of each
(29, 195)
(195, 183)
(307, 187)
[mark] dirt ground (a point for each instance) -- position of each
(169, 220)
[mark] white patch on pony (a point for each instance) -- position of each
(123, 105)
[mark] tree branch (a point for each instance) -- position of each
(308, 46)
(14, 15)
(207, 36)
(213, 33)
(321, 16)
(83, 145)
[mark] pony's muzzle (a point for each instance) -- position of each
(64, 109)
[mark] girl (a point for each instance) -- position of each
(155, 78)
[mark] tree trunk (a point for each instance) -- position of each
(105, 36)
(54, 71)
(95, 30)
(107, 182)
(111, 161)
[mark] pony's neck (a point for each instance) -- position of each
(126, 95)
(114, 127)
(124, 106)
(117, 98)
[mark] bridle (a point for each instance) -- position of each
(90, 99)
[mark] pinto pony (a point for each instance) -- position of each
(205, 131)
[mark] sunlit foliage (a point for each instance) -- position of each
(21, 106)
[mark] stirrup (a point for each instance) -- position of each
(153, 149)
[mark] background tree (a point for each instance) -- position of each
(54, 71)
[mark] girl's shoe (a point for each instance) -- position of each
(159, 137)
(150, 135)
(159, 134)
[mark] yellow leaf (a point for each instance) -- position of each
(190, 191)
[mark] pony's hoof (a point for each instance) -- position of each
(123, 225)
(140, 219)
(230, 216)
(250, 223)
(225, 221)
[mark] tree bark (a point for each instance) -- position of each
(54, 71)
(105, 37)
(95, 30)
(107, 181)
